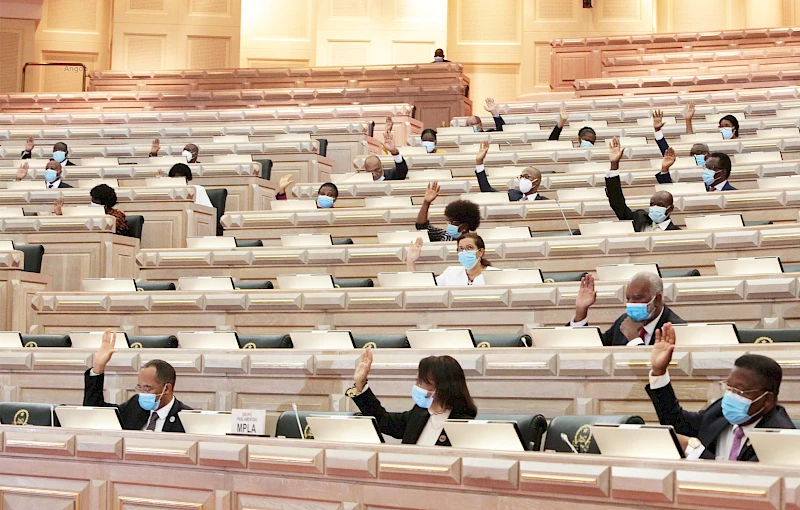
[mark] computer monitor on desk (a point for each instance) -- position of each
(345, 429)
(94, 418)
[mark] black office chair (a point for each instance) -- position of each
(791, 268)
(287, 423)
(531, 426)
(46, 341)
(323, 147)
(135, 225)
(339, 242)
(249, 243)
(679, 273)
(253, 284)
(153, 342)
(761, 223)
(577, 429)
(266, 168)
(768, 336)
(371, 128)
(515, 340)
(33, 253)
(28, 413)
(218, 199)
(347, 283)
(796, 424)
(380, 341)
(564, 276)
(155, 286)
(265, 342)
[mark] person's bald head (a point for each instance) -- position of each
(373, 164)
(474, 120)
(662, 199)
(699, 149)
(194, 150)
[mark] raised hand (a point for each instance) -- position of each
(362, 370)
(286, 181)
(22, 171)
(103, 355)
(414, 252)
(388, 143)
(432, 192)
(586, 297)
(668, 160)
(629, 328)
(690, 110)
(29, 144)
(58, 206)
(615, 151)
(663, 348)
(161, 173)
(491, 106)
(563, 116)
(155, 146)
(482, 152)
(389, 124)
(658, 120)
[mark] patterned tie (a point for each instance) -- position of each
(151, 425)
(738, 434)
(642, 333)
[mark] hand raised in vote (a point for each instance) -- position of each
(615, 150)
(22, 171)
(658, 120)
(156, 145)
(482, 152)
(414, 252)
(668, 161)
(389, 124)
(663, 348)
(103, 355)
(362, 370)
(161, 172)
(388, 143)
(690, 110)
(286, 181)
(491, 106)
(58, 206)
(432, 192)
(563, 116)
(586, 297)
(29, 144)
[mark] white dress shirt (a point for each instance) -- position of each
(654, 227)
(719, 186)
(725, 439)
(649, 329)
(433, 429)
(455, 276)
(162, 416)
(54, 184)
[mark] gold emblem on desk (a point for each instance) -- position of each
(763, 340)
(136, 345)
(583, 438)
(370, 345)
(31, 344)
(21, 417)
(484, 345)
(249, 345)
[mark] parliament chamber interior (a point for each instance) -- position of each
(399, 254)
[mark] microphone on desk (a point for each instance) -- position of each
(564, 216)
(566, 440)
(297, 417)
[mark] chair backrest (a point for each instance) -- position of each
(347, 283)
(323, 146)
(531, 426)
(564, 276)
(380, 341)
(46, 341)
(155, 286)
(153, 342)
(249, 243)
(796, 424)
(135, 225)
(218, 198)
(341, 241)
(28, 413)
(287, 423)
(578, 431)
(679, 273)
(265, 342)
(253, 284)
(34, 253)
(514, 340)
(266, 168)
(768, 336)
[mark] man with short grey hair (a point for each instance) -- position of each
(645, 310)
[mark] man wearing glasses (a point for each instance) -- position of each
(716, 171)
(153, 408)
(719, 431)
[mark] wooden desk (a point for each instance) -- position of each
(17, 288)
(304, 167)
(167, 224)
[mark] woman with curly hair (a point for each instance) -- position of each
(104, 195)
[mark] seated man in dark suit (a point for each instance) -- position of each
(645, 311)
(529, 180)
(720, 430)
(154, 408)
(60, 152)
(373, 163)
(52, 174)
(438, 56)
(699, 150)
(477, 124)
(587, 136)
(656, 219)
(716, 173)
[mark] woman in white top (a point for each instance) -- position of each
(183, 170)
(440, 393)
(470, 255)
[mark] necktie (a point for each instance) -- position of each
(642, 333)
(151, 425)
(738, 434)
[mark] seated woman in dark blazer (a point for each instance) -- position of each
(439, 394)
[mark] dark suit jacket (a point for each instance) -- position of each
(406, 426)
(708, 424)
(555, 134)
(614, 337)
(498, 124)
(27, 155)
(398, 173)
(131, 415)
(63, 184)
(640, 217)
(662, 145)
(514, 195)
(666, 178)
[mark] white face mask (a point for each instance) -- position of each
(525, 185)
(188, 155)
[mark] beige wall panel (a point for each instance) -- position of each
(349, 8)
(348, 53)
(65, 78)
(144, 52)
(696, 16)
(10, 60)
(412, 52)
(276, 33)
(275, 62)
(489, 22)
(209, 52)
(495, 80)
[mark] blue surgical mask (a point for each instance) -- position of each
(468, 258)
(735, 408)
(638, 312)
(453, 232)
(324, 201)
(657, 213)
(727, 133)
(50, 176)
(709, 176)
(59, 156)
(700, 159)
(149, 401)
(420, 397)
(438, 59)
(429, 146)
(475, 129)
(586, 143)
